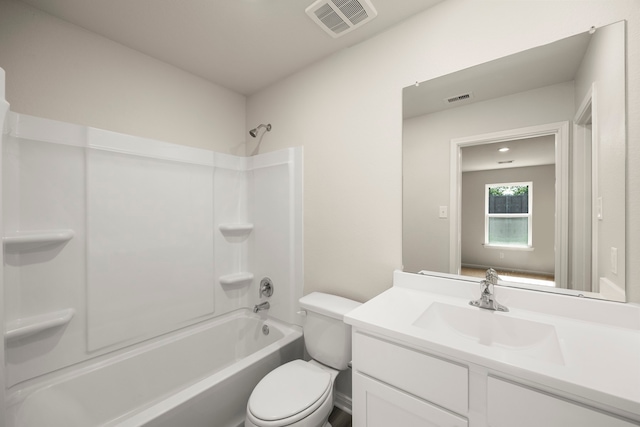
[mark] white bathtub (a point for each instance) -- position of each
(202, 376)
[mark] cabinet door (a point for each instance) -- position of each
(514, 405)
(430, 378)
(378, 405)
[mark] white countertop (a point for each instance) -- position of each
(599, 341)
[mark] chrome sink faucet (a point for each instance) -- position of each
(487, 299)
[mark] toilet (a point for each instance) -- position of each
(300, 393)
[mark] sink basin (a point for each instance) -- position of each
(493, 329)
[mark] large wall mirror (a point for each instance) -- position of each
(518, 164)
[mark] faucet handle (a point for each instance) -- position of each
(266, 287)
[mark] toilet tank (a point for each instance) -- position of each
(326, 336)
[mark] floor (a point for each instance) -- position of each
(339, 418)
(537, 279)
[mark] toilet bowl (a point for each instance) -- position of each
(300, 393)
(297, 394)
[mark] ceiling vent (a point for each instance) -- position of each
(458, 98)
(338, 17)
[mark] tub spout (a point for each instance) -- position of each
(262, 306)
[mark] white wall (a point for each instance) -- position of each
(347, 112)
(542, 258)
(4, 109)
(602, 65)
(59, 71)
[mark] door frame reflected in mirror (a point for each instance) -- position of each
(560, 132)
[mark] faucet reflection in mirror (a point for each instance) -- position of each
(572, 90)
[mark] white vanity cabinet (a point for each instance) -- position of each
(397, 385)
(511, 404)
(423, 356)
(377, 404)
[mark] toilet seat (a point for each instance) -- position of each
(289, 394)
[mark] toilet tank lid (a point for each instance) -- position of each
(328, 305)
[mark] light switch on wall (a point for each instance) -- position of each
(443, 212)
(599, 208)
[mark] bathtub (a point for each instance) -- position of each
(201, 376)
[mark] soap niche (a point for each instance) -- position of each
(24, 248)
(32, 247)
(235, 234)
(35, 326)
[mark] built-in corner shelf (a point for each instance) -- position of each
(28, 240)
(235, 228)
(21, 328)
(234, 279)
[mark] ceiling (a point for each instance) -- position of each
(243, 45)
(542, 66)
(546, 65)
(536, 151)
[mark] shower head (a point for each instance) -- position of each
(254, 132)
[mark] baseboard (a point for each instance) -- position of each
(343, 402)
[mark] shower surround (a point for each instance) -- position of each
(111, 241)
